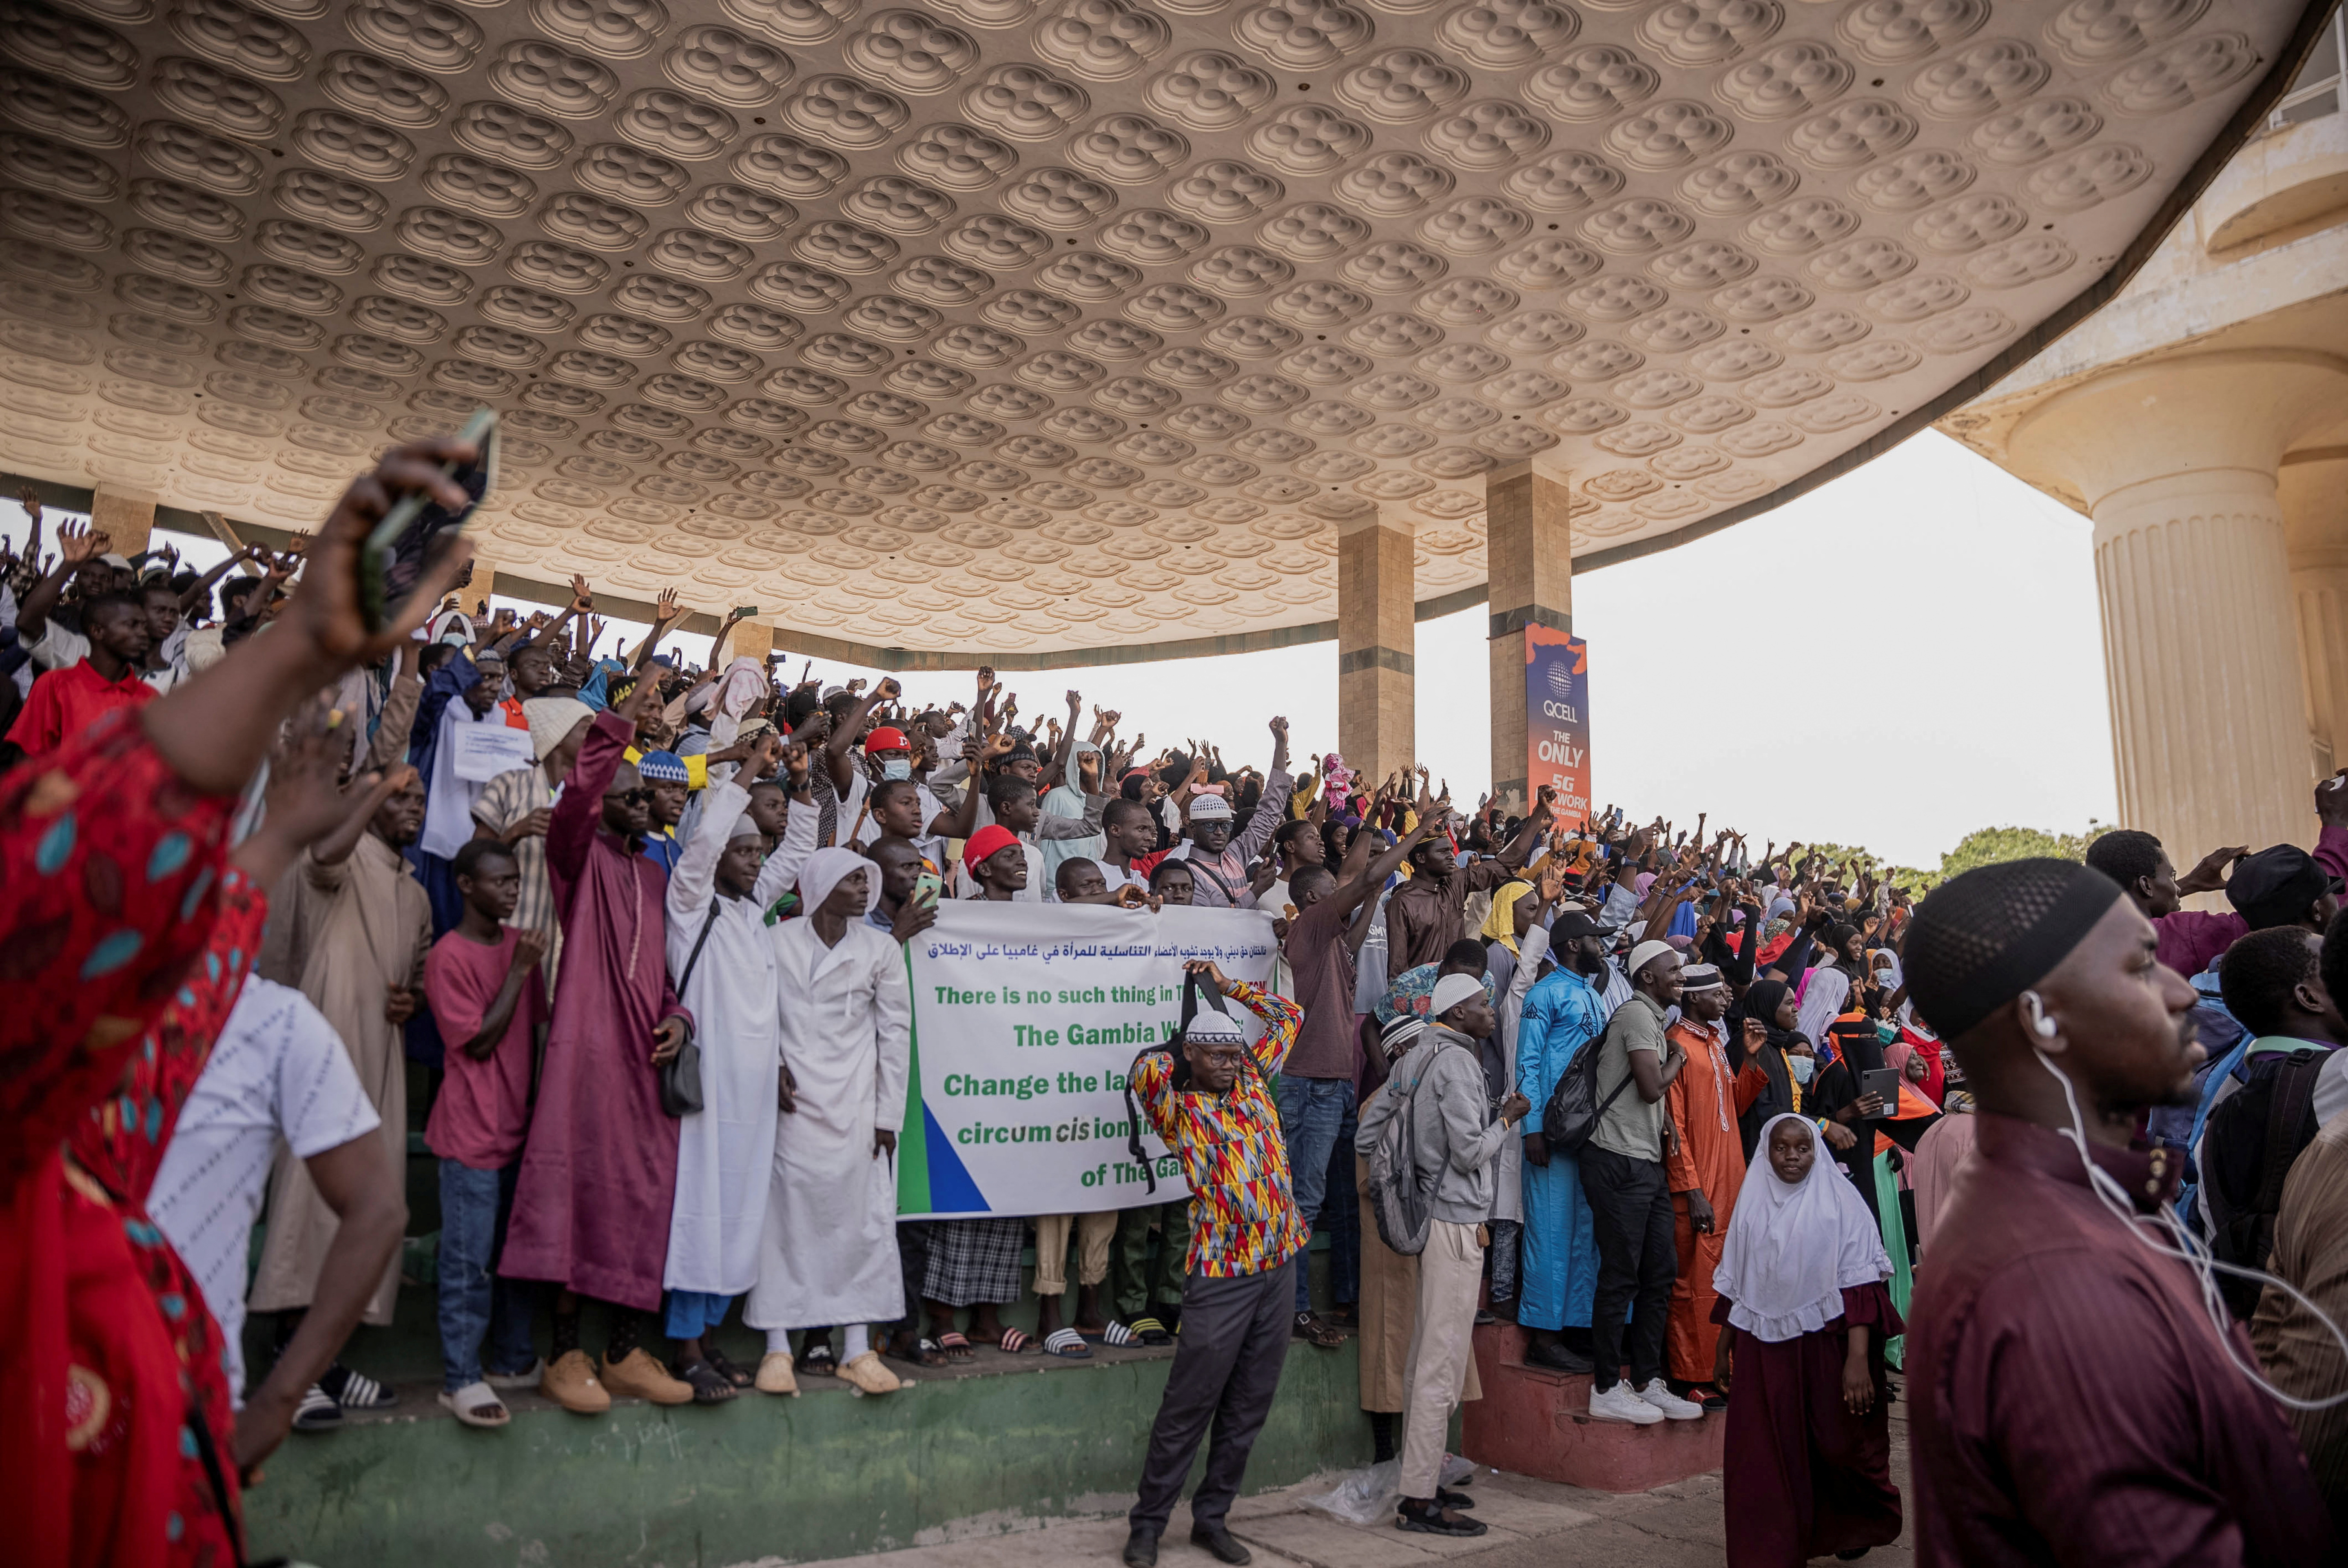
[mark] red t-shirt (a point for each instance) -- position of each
(483, 1109)
(64, 702)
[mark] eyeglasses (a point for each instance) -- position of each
(637, 796)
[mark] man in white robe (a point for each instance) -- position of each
(722, 958)
(827, 1251)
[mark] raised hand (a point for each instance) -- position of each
(529, 950)
(666, 607)
(582, 598)
(77, 542)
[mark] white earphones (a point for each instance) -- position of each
(2039, 1023)
(2189, 1249)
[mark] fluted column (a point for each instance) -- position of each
(2314, 489)
(1530, 541)
(2177, 460)
(1377, 669)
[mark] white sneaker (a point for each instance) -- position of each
(1659, 1394)
(1618, 1403)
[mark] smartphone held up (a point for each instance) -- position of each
(416, 531)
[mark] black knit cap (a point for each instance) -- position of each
(1980, 939)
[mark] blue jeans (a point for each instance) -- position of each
(1313, 1112)
(474, 1301)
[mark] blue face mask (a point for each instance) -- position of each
(897, 768)
(1801, 1067)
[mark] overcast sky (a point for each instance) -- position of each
(1900, 657)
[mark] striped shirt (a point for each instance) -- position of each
(506, 800)
(1243, 1217)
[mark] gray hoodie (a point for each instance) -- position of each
(1455, 1131)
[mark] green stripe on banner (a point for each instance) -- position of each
(912, 1136)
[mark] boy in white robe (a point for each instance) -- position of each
(827, 1251)
(721, 954)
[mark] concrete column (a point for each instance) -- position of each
(2313, 488)
(1530, 545)
(484, 580)
(2177, 460)
(749, 639)
(126, 517)
(1377, 714)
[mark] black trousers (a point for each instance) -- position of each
(1227, 1360)
(1631, 1208)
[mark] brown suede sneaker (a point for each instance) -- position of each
(639, 1376)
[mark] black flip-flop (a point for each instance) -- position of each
(817, 1361)
(710, 1386)
(729, 1371)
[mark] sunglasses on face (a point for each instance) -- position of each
(640, 795)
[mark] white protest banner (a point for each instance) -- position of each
(1026, 1019)
(484, 751)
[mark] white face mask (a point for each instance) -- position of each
(1801, 1067)
(897, 768)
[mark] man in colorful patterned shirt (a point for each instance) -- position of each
(1213, 1107)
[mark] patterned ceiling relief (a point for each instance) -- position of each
(1052, 323)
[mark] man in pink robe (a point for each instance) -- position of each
(599, 1173)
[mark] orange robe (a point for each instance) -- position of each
(1707, 1155)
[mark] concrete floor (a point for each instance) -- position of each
(1534, 1524)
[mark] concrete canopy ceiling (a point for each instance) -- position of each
(1048, 324)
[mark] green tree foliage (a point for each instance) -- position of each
(1982, 846)
(1994, 845)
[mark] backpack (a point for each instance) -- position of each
(1571, 1115)
(2245, 1237)
(1402, 1200)
(1193, 989)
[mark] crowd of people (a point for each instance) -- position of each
(1719, 1130)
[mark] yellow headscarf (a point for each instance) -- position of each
(1501, 925)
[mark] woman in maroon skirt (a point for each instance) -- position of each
(1801, 1289)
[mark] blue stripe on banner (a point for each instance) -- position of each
(952, 1192)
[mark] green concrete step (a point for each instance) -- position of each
(761, 1480)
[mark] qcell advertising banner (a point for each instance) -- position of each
(1557, 719)
(1026, 1019)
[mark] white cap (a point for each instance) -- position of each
(1212, 1025)
(1644, 954)
(1210, 808)
(1450, 992)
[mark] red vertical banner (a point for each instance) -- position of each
(1557, 719)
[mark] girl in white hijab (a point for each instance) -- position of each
(1801, 1282)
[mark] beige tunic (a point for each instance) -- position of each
(355, 929)
(1389, 1309)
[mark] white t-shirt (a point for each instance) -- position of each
(278, 1069)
